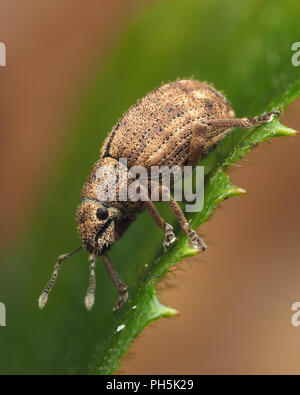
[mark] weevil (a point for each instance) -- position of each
(176, 124)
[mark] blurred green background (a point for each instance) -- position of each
(243, 48)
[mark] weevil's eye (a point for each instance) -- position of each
(102, 213)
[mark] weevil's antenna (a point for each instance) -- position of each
(44, 296)
(90, 296)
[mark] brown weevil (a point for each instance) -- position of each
(177, 124)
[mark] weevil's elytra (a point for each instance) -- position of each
(177, 124)
(158, 129)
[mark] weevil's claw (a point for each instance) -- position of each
(122, 299)
(268, 117)
(169, 236)
(196, 240)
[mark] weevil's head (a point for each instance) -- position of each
(96, 225)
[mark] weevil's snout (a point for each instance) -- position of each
(96, 225)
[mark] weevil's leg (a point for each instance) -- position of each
(242, 122)
(160, 222)
(121, 287)
(194, 238)
(197, 144)
(90, 296)
(44, 296)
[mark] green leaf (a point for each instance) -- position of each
(244, 49)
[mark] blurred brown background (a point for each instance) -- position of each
(236, 299)
(52, 45)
